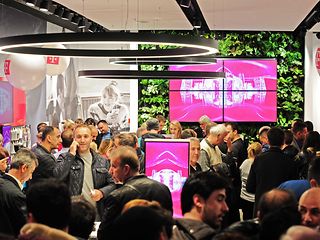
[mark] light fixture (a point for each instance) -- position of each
(31, 3)
(164, 61)
(197, 23)
(82, 23)
(92, 28)
(66, 14)
(133, 74)
(185, 3)
(45, 6)
(75, 19)
(58, 11)
(187, 46)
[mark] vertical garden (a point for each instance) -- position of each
(288, 50)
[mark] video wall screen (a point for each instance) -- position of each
(6, 102)
(167, 161)
(248, 93)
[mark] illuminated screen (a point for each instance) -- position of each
(167, 161)
(6, 113)
(247, 93)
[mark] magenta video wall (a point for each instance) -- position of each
(248, 93)
(6, 102)
(167, 161)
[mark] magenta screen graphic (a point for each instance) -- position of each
(247, 93)
(167, 161)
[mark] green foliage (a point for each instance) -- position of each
(282, 46)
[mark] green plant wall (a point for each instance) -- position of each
(282, 46)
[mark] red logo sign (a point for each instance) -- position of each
(317, 58)
(7, 67)
(53, 60)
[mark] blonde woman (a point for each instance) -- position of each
(247, 199)
(175, 129)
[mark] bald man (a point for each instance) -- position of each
(309, 207)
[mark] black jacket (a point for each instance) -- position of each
(70, 169)
(185, 229)
(12, 206)
(268, 171)
(136, 187)
(149, 135)
(47, 163)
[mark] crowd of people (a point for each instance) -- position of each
(87, 173)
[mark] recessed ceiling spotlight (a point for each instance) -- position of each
(31, 3)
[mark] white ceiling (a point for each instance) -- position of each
(268, 15)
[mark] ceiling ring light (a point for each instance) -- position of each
(133, 74)
(33, 44)
(164, 61)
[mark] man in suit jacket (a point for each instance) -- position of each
(12, 199)
(270, 168)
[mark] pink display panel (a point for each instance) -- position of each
(189, 106)
(249, 106)
(246, 94)
(6, 108)
(167, 161)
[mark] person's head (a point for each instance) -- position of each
(162, 121)
(141, 131)
(275, 137)
(69, 124)
(82, 135)
(301, 233)
(299, 130)
(4, 159)
(157, 224)
(104, 147)
(110, 95)
(139, 202)
(314, 172)
(217, 134)
(309, 207)
(79, 121)
(194, 150)
(82, 218)
(233, 130)
(103, 126)
(124, 163)
(188, 133)
(275, 199)
(40, 126)
(23, 164)
(1, 140)
(51, 138)
(125, 139)
(312, 140)
(203, 121)
(175, 129)
(208, 127)
(152, 124)
(90, 121)
(262, 134)
(49, 203)
(288, 137)
(94, 132)
(309, 125)
(67, 138)
(254, 149)
(203, 196)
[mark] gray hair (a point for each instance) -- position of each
(194, 139)
(204, 119)
(23, 157)
(218, 129)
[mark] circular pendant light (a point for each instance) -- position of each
(188, 46)
(133, 74)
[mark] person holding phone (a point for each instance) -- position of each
(85, 171)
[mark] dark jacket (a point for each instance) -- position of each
(149, 135)
(12, 206)
(268, 171)
(136, 187)
(185, 229)
(47, 163)
(70, 169)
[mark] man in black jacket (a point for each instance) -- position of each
(125, 169)
(84, 171)
(12, 199)
(51, 138)
(270, 168)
